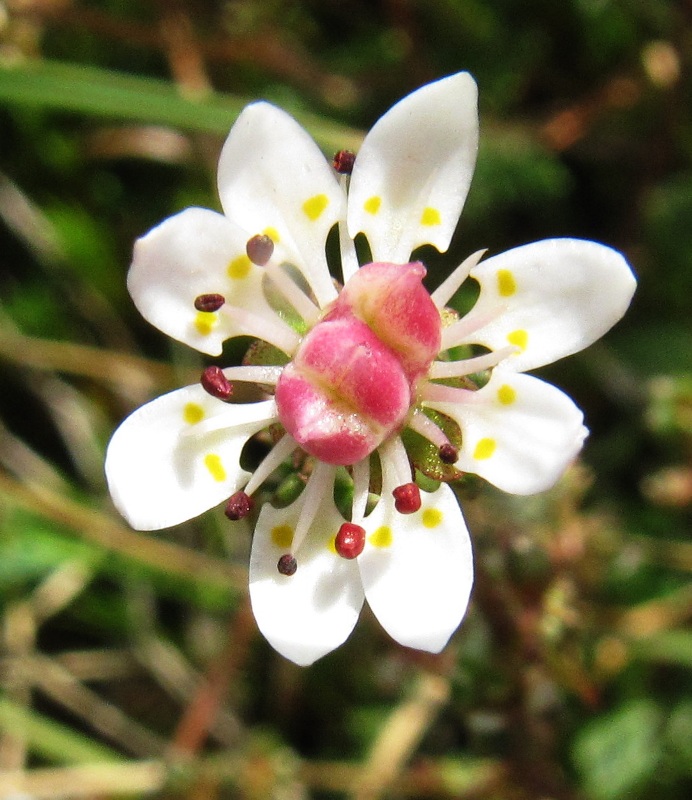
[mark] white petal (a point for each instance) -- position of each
(306, 615)
(551, 298)
(413, 171)
(159, 473)
(192, 253)
(274, 179)
(518, 432)
(417, 569)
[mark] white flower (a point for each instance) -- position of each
(360, 367)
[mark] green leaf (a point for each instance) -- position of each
(50, 739)
(672, 647)
(31, 548)
(678, 737)
(618, 753)
(97, 92)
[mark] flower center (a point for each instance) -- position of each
(351, 383)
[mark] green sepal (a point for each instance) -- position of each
(425, 455)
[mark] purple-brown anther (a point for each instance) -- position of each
(448, 453)
(287, 565)
(350, 540)
(407, 498)
(238, 506)
(209, 302)
(343, 161)
(259, 249)
(215, 383)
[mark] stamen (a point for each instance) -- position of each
(254, 374)
(347, 247)
(272, 330)
(298, 299)
(319, 484)
(343, 161)
(238, 506)
(467, 366)
(255, 417)
(444, 292)
(273, 460)
(287, 565)
(407, 498)
(438, 393)
(350, 540)
(394, 463)
(422, 424)
(361, 488)
(259, 249)
(209, 302)
(215, 383)
(460, 332)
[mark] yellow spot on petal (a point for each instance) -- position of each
(372, 204)
(331, 544)
(239, 268)
(430, 216)
(314, 206)
(205, 321)
(506, 285)
(282, 536)
(382, 537)
(213, 463)
(193, 413)
(484, 449)
(506, 395)
(432, 517)
(519, 338)
(273, 234)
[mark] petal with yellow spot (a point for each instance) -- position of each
(484, 449)
(430, 216)
(282, 536)
(519, 338)
(273, 234)
(432, 517)
(193, 413)
(372, 204)
(212, 461)
(506, 394)
(315, 206)
(506, 285)
(205, 322)
(382, 537)
(239, 267)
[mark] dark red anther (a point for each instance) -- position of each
(343, 161)
(259, 249)
(209, 302)
(448, 453)
(407, 498)
(350, 540)
(215, 383)
(287, 564)
(238, 506)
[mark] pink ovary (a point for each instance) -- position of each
(352, 380)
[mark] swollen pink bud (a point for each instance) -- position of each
(343, 393)
(392, 301)
(352, 380)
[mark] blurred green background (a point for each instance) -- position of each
(130, 663)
